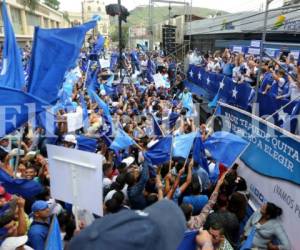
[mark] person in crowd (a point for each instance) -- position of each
(141, 200)
(267, 229)
(39, 228)
(219, 241)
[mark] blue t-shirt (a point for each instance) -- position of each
(267, 80)
(37, 235)
(197, 201)
(227, 69)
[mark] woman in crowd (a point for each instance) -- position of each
(267, 229)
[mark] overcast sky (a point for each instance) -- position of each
(226, 5)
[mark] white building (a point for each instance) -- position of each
(91, 8)
(25, 19)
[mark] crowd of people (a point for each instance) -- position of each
(146, 206)
(279, 78)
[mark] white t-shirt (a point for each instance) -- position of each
(106, 182)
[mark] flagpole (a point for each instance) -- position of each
(170, 163)
(19, 148)
(87, 73)
(243, 151)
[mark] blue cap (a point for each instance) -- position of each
(158, 227)
(39, 206)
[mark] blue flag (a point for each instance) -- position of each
(85, 114)
(85, 143)
(214, 102)
(92, 79)
(199, 153)
(156, 128)
(225, 89)
(47, 121)
(182, 144)
(195, 89)
(108, 124)
(108, 86)
(160, 152)
(54, 241)
(102, 105)
(173, 117)
(113, 60)
(225, 147)
(241, 94)
(18, 108)
(99, 44)
(22, 187)
(267, 104)
(54, 52)
(12, 74)
(122, 141)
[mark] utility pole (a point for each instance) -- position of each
(120, 40)
(261, 54)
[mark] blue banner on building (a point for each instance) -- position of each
(272, 151)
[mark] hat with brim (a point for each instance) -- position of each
(70, 138)
(12, 243)
(128, 161)
(158, 227)
(39, 206)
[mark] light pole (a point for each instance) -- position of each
(261, 54)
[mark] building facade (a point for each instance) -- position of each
(25, 19)
(138, 35)
(239, 29)
(90, 8)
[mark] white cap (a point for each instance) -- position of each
(70, 138)
(11, 243)
(115, 104)
(109, 195)
(102, 92)
(128, 161)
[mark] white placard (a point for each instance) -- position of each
(284, 194)
(255, 43)
(270, 52)
(105, 63)
(76, 177)
(295, 54)
(158, 80)
(238, 49)
(74, 120)
(254, 51)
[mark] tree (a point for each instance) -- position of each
(54, 4)
(31, 4)
(114, 33)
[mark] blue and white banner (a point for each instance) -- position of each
(284, 194)
(272, 151)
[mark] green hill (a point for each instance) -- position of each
(140, 15)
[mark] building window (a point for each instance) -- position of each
(89, 8)
(99, 9)
(33, 20)
(16, 20)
